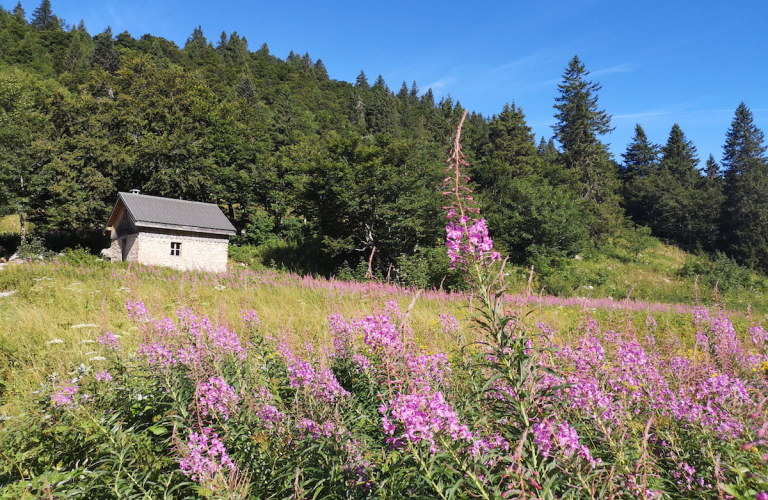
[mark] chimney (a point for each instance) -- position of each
(135, 191)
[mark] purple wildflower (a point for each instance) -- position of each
(204, 456)
(109, 341)
(103, 376)
(63, 396)
(217, 398)
(249, 317)
(421, 417)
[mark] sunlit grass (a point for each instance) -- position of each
(53, 302)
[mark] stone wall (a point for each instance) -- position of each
(197, 252)
(129, 243)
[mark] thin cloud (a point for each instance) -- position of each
(537, 58)
(442, 83)
(621, 68)
(642, 115)
(550, 81)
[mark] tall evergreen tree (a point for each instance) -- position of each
(579, 125)
(641, 157)
(707, 206)
(245, 90)
(362, 81)
(745, 209)
(679, 157)
(43, 18)
(20, 13)
(105, 54)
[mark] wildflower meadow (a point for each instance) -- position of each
(266, 385)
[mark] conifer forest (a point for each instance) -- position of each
(421, 301)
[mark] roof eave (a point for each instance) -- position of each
(191, 229)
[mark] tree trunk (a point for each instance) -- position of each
(23, 232)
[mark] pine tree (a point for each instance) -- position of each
(511, 142)
(197, 40)
(43, 18)
(320, 70)
(246, 91)
(104, 54)
(362, 82)
(744, 226)
(20, 13)
(413, 95)
(707, 206)
(380, 85)
(579, 124)
(641, 157)
(679, 157)
(712, 170)
(402, 94)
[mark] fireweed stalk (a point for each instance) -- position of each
(520, 386)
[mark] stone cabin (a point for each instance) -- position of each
(184, 235)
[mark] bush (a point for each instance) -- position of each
(429, 268)
(9, 242)
(724, 272)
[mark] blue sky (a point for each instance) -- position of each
(660, 62)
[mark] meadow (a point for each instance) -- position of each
(127, 381)
(124, 381)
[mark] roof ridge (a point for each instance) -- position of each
(165, 198)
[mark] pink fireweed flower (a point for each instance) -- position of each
(343, 334)
(319, 383)
(428, 370)
(249, 318)
(327, 429)
(157, 354)
(550, 438)
(759, 336)
(701, 316)
(217, 398)
(362, 362)
(64, 395)
(165, 327)
(421, 417)
(137, 311)
(449, 324)
(227, 342)
(379, 333)
(271, 417)
(103, 376)
(109, 341)
(204, 456)
(473, 242)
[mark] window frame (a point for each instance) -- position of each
(175, 249)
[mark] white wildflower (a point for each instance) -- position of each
(55, 341)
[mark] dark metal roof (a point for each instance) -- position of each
(154, 211)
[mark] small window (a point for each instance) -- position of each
(175, 249)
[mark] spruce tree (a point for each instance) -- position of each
(20, 13)
(712, 169)
(413, 95)
(246, 91)
(641, 157)
(579, 125)
(104, 54)
(744, 225)
(511, 142)
(362, 82)
(707, 206)
(679, 157)
(43, 18)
